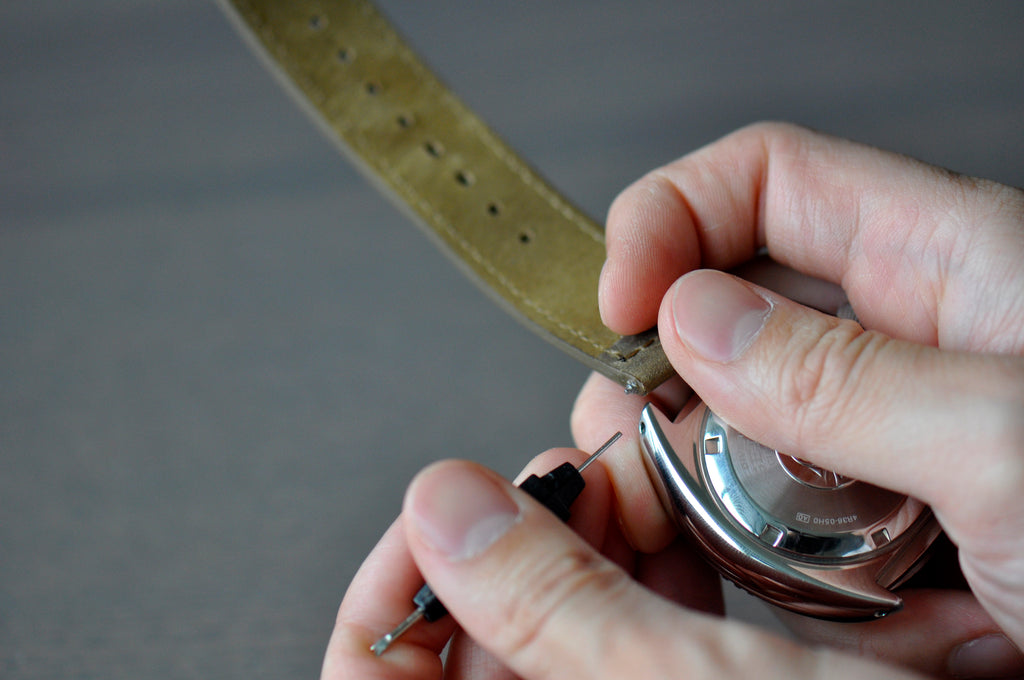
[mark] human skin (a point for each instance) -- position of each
(929, 400)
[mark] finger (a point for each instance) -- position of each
(543, 602)
(889, 229)
(379, 597)
(942, 633)
(602, 406)
(942, 426)
(676, 573)
(680, 575)
(466, 659)
(652, 239)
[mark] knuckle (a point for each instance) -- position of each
(825, 383)
(1001, 477)
(576, 586)
(739, 653)
(974, 200)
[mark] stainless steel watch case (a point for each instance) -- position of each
(795, 535)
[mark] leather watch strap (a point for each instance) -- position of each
(538, 254)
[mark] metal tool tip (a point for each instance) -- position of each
(594, 456)
(381, 645)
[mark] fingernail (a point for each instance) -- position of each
(716, 315)
(991, 656)
(460, 511)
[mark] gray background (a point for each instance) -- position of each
(223, 355)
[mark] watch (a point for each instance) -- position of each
(799, 536)
(796, 535)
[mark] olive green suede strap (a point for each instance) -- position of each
(534, 251)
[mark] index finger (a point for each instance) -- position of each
(881, 225)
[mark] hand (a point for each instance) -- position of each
(928, 401)
(536, 600)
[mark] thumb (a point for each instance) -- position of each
(545, 604)
(939, 425)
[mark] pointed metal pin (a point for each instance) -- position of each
(604, 447)
(381, 645)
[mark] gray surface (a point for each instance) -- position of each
(222, 355)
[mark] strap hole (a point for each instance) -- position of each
(493, 209)
(346, 55)
(464, 178)
(525, 237)
(372, 88)
(405, 121)
(316, 22)
(434, 149)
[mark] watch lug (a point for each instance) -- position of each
(847, 593)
